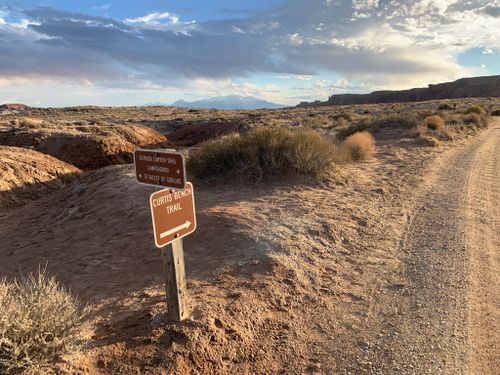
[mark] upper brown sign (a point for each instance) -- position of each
(160, 168)
(173, 214)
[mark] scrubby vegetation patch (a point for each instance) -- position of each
(477, 109)
(39, 322)
(264, 152)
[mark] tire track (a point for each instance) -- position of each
(446, 319)
(483, 244)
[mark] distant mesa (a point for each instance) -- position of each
(475, 87)
(229, 102)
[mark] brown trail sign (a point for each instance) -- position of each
(174, 217)
(160, 168)
(173, 214)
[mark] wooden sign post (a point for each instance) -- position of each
(173, 215)
(175, 281)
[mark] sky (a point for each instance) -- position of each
(131, 52)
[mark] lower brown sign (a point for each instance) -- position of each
(173, 214)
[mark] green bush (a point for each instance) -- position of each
(480, 121)
(39, 322)
(263, 152)
(477, 109)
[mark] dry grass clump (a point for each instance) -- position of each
(347, 116)
(428, 140)
(445, 106)
(358, 146)
(316, 121)
(475, 109)
(434, 122)
(39, 322)
(346, 132)
(433, 129)
(263, 152)
(28, 122)
(481, 121)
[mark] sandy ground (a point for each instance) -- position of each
(389, 267)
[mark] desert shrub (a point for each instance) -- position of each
(423, 114)
(406, 121)
(428, 140)
(263, 152)
(475, 109)
(315, 121)
(434, 129)
(361, 126)
(358, 146)
(434, 122)
(480, 121)
(340, 122)
(495, 112)
(39, 322)
(28, 122)
(445, 106)
(453, 119)
(342, 116)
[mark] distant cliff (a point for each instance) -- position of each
(463, 88)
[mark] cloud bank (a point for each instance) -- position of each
(381, 43)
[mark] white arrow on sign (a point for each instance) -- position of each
(186, 225)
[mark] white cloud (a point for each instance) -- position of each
(155, 19)
(295, 39)
(164, 21)
(238, 30)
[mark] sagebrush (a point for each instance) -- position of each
(264, 152)
(404, 121)
(39, 322)
(433, 130)
(477, 109)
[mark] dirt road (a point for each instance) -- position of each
(448, 304)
